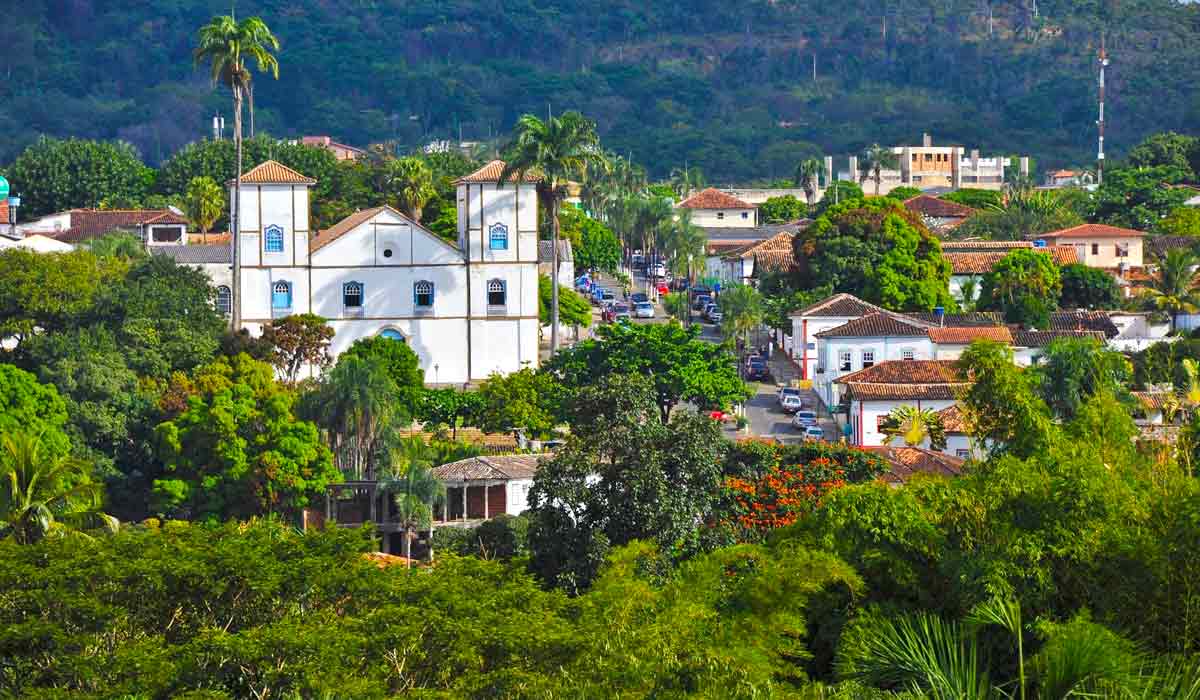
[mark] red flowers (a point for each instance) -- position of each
(783, 494)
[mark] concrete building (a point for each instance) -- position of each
(714, 208)
(468, 310)
(1100, 245)
(339, 150)
(928, 166)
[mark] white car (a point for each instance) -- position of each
(643, 309)
(813, 432)
(791, 403)
(786, 391)
(804, 419)
(659, 270)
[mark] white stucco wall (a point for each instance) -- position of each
(804, 331)
(725, 218)
(884, 349)
(865, 415)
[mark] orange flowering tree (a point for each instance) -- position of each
(787, 482)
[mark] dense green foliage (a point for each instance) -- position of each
(1086, 287)
(1023, 82)
(1025, 285)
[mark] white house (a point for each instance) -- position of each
(972, 260)
(862, 343)
(949, 342)
(876, 391)
(1138, 330)
(712, 207)
(837, 310)
(959, 442)
(212, 260)
(484, 487)
(153, 226)
(468, 310)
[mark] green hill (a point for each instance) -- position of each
(723, 85)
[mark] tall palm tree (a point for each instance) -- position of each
(557, 150)
(877, 158)
(356, 405)
(43, 495)
(118, 244)
(683, 242)
(1173, 287)
(914, 426)
(806, 176)
(414, 489)
(411, 182)
(686, 180)
(741, 310)
(651, 216)
(226, 45)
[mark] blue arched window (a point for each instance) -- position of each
(224, 300)
(423, 294)
(393, 334)
(352, 295)
(281, 296)
(274, 239)
(498, 235)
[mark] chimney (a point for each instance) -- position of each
(926, 140)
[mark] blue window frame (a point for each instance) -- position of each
(352, 295)
(498, 237)
(274, 239)
(393, 334)
(281, 296)
(423, 293)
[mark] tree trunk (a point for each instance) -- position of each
(235, 214)
(250, 95)
(408, 535)
(553, 273)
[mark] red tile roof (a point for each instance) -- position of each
(1040, 339)
(970, 246)
(982, 262)
(491, 173)
(93, 223)
(905, 392)
(342, 227)
(1153, 400)
(877, 324)
(274, 173)
(927, 205)
(963, 335)
(839, 305)
(907, 372)
(953, 420)
(498, 468)
(713, 198)
(906, 462)
(1083, 321)
(1093, 231)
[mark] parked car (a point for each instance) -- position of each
(716, 317)
(813, 432)
(804, 419)
(758, 371)
(658, 270)
(638, 298)
(663, 288)
(607, 297)
(699, 290)
(620, 312)
(700, 302)
(643, 309)
(720, 416)
(786, 391)
(709, 310)
(598, 295)
(791, 403)
(637, 260)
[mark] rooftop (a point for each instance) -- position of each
(964, 335)
(343, 227)
(713, 198)
(938, 208)
(1040, 339)
(93, 223)
(907, 462)
(982, 261)
(498, 468)
(491, 173)
(195, 254)
(275, 173)
(839, 305)
(1084, 321)
(1093, 231)
(906, 380)
(876, 324)
(546, 251)
(953, 420)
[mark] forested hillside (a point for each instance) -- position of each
(727, 86)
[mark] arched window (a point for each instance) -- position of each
(352, 295)
(498, 235)
(393, 334)
(274, 239)
(497, 293)
(423, 294)
(281, 296)
(224, 300)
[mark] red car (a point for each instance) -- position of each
(663, 288)
(720, 416)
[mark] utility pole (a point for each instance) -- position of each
(1100, 122)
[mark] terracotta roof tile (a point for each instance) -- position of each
(713, 198)
(1083, 321)
(343, 227)
(905, 392)
(907, 462)
(958, 320)
(93, 223)
(926, 205)
(907, 372)
(491, 173)
(953, 420)
(963, 335)
(1153, 400)
(971, 246)
(982, 262)
(1158, 246)
(877, 324)
(1093, 231)
(498, 468)
(1040, 339)
(839, 305)
(274, 173)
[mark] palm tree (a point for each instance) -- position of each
(806, 176)
(968, 293)
(414, 490)
(741, 309)
(686, 180)
(683, 242)
(117, 244)
(43, 495)
(356, 406)
(226, 45)
(203, 203)
(651, 216)
(914, 426)
(1172, 289)
(876, 158)
(411, 182)
(557, 150)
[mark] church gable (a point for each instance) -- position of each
(380, 237)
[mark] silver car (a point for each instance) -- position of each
(791, 403)
(643, 309)
(804, 419)
(813, 432)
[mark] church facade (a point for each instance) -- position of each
(468, 309)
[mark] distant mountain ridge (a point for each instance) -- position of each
(727, 87)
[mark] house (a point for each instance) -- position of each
(928, 166)
(1068, 178)
(837, 310)
(878, 337)
(1154, 406)
(467, 309)
(37, 243)
(741, 264)
(722, 240)
(938, 215)
(875, 391)
(1029, 345)
(214, 260)
(959, 442)
(1101, 245)
(152, 226)
(339, 150)
(906, 462)
(950, 341)
(1138, 330)
(478, 488)
(566, 261)
(758, 195)
(712, 207)
(971, 260)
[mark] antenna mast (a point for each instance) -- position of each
(1100, 122)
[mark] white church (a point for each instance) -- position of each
(467, 310)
